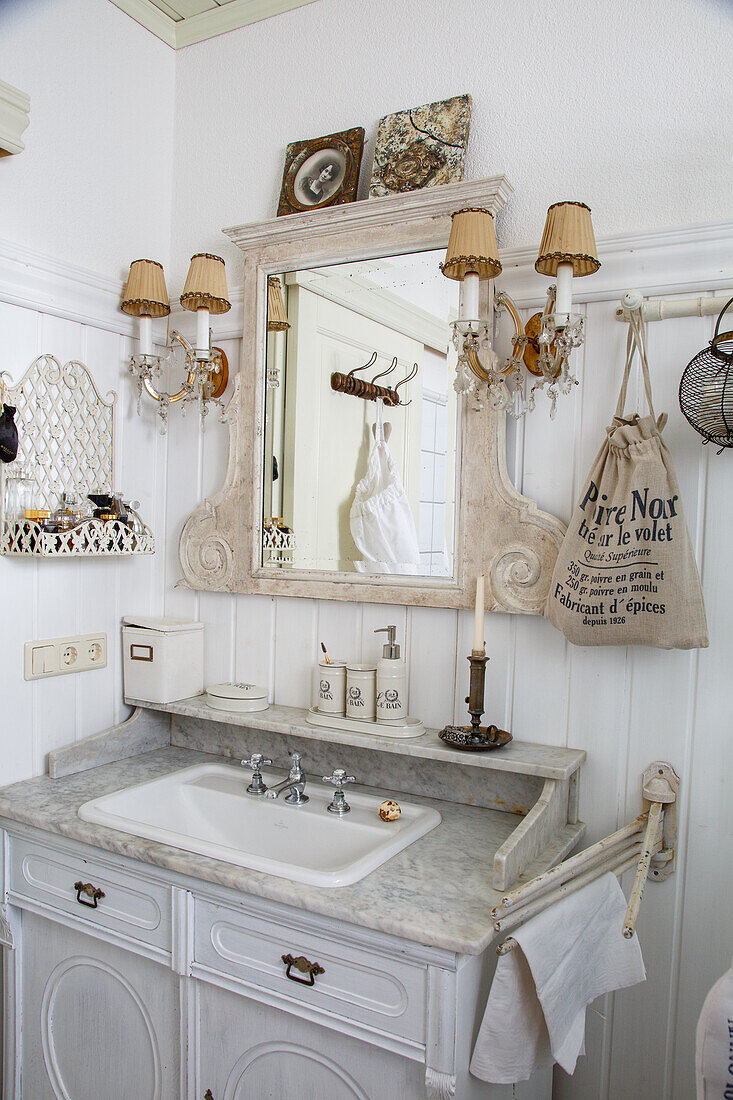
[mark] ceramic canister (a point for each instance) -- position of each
(331, 687)
(361, 692)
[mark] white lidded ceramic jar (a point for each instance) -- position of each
(361, 691)
(238, 696)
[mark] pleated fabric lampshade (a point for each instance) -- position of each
(568, 238)
(472, 247)
(277, 317)
(206, 284)
(145, 294)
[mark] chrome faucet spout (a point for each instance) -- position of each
(294, 783)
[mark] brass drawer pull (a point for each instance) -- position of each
(305, 967)
(92, 892)
(208, 1095)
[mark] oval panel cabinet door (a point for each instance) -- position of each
(290, 1069)
(249, 1050)
(71, 1018)
(97, 1021)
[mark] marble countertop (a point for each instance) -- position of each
(519, 757)
(437, 892)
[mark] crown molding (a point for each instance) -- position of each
(14, 117)
(377, 304)
(662, 261)
(230, 17)
(150, 17)
(492, 193)
(688, 259)
(188, 30)
(33, 280)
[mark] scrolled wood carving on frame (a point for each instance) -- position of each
(206, 549)
(499, 532)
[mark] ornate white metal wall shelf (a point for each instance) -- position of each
(278, 544)
(66, 445)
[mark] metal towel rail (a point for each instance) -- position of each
(648, 842)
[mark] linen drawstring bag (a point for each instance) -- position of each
(626, 572)
(382, 524)
(714, 1042)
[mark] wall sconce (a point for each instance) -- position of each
(204, 293)
(277, 321)
(472, 255)
(568, 250)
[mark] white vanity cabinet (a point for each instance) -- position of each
(96, 1020)
(248, 1050)
(171, 988)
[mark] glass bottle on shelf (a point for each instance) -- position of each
(20, 493)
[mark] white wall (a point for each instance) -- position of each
(620, 105)
(53, 598)
(626, 707)
(635, 130)
(617, 103)
(93, 185)
(92, 188)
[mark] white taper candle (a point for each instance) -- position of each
(202, 333)
(478, 618)
(146, 334)
(468, 301)
(564, 298)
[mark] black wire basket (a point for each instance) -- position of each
(706, 389)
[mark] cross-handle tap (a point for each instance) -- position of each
(339, 805)
(256, 762)
(295, 783)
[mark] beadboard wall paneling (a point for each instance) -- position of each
(626, 707)
(51, 598)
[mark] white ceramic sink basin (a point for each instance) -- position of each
(206, 809)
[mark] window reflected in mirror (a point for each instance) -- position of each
(361, 419)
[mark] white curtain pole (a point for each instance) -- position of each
(661, 309)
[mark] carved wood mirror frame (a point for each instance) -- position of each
(498, 531)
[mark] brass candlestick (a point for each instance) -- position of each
(476, 738)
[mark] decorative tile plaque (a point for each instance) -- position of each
(422, 147)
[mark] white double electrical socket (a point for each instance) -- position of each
(59, 656)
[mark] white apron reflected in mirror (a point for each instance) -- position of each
(388, 321)
(382, 523)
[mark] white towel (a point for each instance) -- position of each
(382, 524)
(567, 956)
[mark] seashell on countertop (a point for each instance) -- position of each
(389, 810)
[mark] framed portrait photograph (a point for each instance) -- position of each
(321, 172)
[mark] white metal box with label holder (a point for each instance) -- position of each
(163, 659)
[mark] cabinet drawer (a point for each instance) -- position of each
(132, 906)
(385, 993)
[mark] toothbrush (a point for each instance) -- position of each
(325, 654)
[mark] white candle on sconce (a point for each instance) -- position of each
(468, 298)
(146, 334)
(478, 618)
(202, 334)
(564, 295)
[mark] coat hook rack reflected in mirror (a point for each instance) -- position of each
(369, 391)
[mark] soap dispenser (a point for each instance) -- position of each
(391, 680)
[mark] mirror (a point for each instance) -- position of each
(338, 494)
(360, 278)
